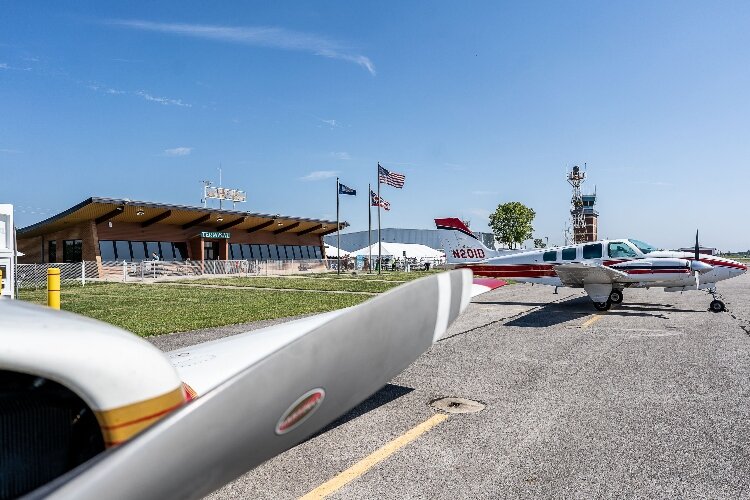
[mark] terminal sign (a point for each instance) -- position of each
(215, 235)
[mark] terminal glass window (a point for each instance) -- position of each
(550, 256)
(289, 252)
(167, 250)
(619, 250)
(235, 251)
(297, 253)
(72, 250)
(568, 253)
(593, 251)
(318, 253)
(247, 252)
(122, 249)
(52, 251)
(107, 251)
(138, 250)
(152, 248)
(274, 255)
(303, 251)
(263, 252)
(180, 251)
(210, 250)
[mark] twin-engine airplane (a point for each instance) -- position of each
(602, 268)
(89, 411)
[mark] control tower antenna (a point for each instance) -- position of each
(583, 215)
(577, 221)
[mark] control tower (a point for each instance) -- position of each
(583, 215)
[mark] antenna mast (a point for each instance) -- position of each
(577, 220)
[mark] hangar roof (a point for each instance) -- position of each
(147, 213)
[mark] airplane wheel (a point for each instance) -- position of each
(616, 296)
(717, 306)
(602, 306)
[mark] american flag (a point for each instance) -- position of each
(390, 178)
(376, 201)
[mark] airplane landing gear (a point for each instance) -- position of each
(616, 296)
(716, 305)
(602, 306)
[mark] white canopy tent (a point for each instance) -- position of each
(397, 250)
(332, 252)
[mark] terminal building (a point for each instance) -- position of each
(106, 229)
(351, 242)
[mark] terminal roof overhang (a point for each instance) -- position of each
(102, 210)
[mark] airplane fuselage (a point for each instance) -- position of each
(655, 268)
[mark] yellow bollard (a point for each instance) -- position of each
(53, 287)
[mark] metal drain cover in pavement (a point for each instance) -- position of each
(457, 405)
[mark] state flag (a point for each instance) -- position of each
(377, 201)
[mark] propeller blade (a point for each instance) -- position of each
(697, 252)
(341, 360)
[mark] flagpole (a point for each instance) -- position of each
(338, 231)
(369, 224)
(380, 251)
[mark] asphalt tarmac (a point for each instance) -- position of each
(650, 399)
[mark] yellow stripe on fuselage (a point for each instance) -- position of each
(120, 424)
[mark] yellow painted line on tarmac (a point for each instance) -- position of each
(373, 459)
(592, 320)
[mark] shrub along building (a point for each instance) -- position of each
(105, 229)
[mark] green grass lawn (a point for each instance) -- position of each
(296, 283)
(155, 309)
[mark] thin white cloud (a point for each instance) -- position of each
(319, 175)
(181, 151)
(341, 155)
(259, 36)
(8, 67)
(330, 123)
(166, 101)
(10, 151)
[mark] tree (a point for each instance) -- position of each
(511, 223)
(539, 243)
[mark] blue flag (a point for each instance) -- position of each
(347, 190)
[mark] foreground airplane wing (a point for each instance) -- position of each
(579, 274)
(290, 388)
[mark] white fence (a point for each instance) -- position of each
(35, 275)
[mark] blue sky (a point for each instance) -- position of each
(477, 104)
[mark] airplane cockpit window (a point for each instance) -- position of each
(620, 250)
(643, 247)
(569, 253)
(550, 256)
(592, 251)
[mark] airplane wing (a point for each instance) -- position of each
(291, 387)
(483, 285)
(579, 274)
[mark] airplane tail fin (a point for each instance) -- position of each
(460, 244)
